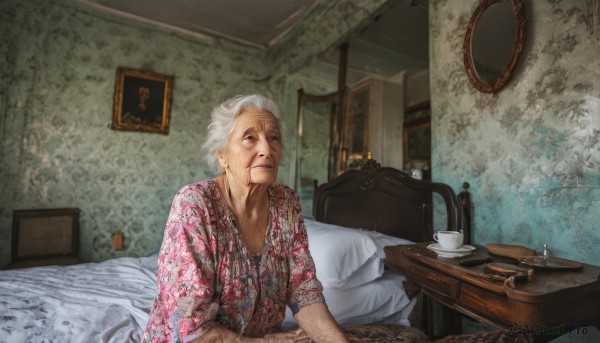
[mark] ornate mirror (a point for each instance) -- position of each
(493, 43)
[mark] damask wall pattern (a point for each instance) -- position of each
(57, 149)
(57, 68)
(531, 152)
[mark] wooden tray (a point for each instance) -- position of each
(549, 262)
(509, 250)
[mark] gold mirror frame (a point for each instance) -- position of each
(518, 45)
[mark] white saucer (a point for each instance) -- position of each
(452, 255)
(461, 251)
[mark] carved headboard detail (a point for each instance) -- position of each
(368, 173)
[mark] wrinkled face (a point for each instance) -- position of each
(254, 148)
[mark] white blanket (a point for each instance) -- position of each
(91, 302)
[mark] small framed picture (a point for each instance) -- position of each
(142, 101)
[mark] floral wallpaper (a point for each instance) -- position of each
(58, 63)
(531, 152)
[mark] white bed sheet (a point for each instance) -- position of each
(91, 302)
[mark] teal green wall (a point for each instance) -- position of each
(532, 151)
(57, 72)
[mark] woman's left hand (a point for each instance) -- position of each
(298, 336)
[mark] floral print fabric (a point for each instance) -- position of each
(206, 276)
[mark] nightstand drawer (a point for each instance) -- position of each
(429, 278)
(485, 302)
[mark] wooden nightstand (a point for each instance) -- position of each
(552, 301)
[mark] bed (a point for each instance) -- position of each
(355, 216)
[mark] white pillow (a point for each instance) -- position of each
(381, 301)
(384, 240)
(344, 257)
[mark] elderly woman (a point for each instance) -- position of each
(235, 250)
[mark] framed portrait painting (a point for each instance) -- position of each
(142, 101)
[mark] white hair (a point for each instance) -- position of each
(221, 126)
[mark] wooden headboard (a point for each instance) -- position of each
(384, 199)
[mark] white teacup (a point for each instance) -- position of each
(449, 239)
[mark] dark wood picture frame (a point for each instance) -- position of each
(142, 101)
(417, 135)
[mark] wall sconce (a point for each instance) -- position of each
(117, 240)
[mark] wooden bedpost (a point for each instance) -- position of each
(466, 208)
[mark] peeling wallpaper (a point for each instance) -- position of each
(57, 68)
(531, 152)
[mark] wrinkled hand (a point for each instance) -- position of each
(298, 336)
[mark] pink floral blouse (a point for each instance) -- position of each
(207, 276)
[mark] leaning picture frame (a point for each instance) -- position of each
(142, 101)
